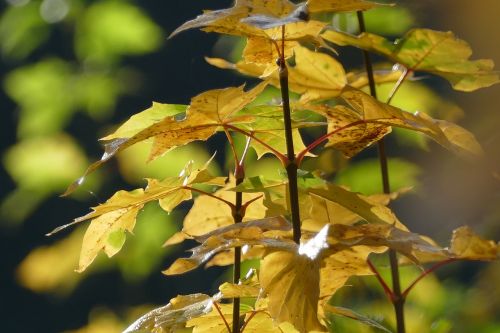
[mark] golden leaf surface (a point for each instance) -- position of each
(440, 53)
(314, 75)
(208, 214)
(366, 120)
(174, 315)
(339, 5)
(259, 232)
(465, 244)
(207, 112)
(118, 214)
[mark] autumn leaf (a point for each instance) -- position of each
(209, 214)
(440, 53)
(118, 214)
(174, 315)
(253, 18)
(367, 120)
(260, 232)
(290, 280)
(206, 113)
(339, 5)
(314, 75)
(465, 244)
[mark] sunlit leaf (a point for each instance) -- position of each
(314, 75)
(249, 233)
(229, 21)
(290, 280)
(209, 214)
(207, 112)
(371, 120)
(340, 311)
(465, 244)
(213, 322)
(262, 322)
(437, 52)
(339, 5)
(174, 315)
(118, 214)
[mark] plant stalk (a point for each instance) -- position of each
(291, 167)
(398, 300)
(239, 174)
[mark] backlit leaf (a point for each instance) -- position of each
(436, 52)
(174, 315)
(290, 280)
(209, 214)
(371, 118)
(247, 233)
(314, 75)
(465, 244)
(339, 5)
(227, 21)
(118, 214)
(207, 112)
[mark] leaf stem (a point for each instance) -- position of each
(397, 298)
(281, 157)
(387, 290)
(194, 189)
(222, 316)
(291, 166)
(425, 273)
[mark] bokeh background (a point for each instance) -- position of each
(73, 69)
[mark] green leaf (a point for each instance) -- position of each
(436, 52)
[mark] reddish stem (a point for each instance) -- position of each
(388, 292)
(424, 274)
(222, 316)
(230, 204)
(281, 157)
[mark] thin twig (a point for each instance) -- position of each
(387, 290)
(194, 189)
(425, 273)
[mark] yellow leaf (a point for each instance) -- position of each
(465, 244)
(339, 5)
(228, 21)
(174, 315)
(209, 214)
(290, 280)
(259, 232)
(207, 112)
(314, 75)
(118, 214)
(436, 52)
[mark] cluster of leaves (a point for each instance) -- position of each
(309, 235)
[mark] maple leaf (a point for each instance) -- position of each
(465, 244)
(314, 75)
(290, 280)
(259, 232)
(174, 315)
(207, 112)
(208, 214)
(367, 120)
(255, 18)
(440, 53)
(339, 5)
(110, 220)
